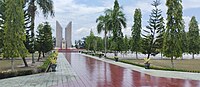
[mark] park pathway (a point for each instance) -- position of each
(96, 72)
(78, 70)
(64, 74)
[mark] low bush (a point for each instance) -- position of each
(44, 66)
(8, 74)
(99, 55)
(87, 52)
(51, 58)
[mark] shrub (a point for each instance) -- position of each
(8, 74)
(44, 66)
(51, 59)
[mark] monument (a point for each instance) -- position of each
(58, 35)
(68, 35)
(63, 43)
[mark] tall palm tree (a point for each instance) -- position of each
(104, 25)
(118, 22)
(46, 6)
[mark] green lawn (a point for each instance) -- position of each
(6, 64)
(193, 65)
(35, 55)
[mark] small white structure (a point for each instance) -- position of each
(63, 44)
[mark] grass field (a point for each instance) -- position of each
(193, 65)
(6, 64)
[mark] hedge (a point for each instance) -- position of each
(42, 68)
(8, 74)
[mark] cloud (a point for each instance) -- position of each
(144, 6)
(83, 15)
(69, 7)
(188, 4)
(187, 21)
(127, 31)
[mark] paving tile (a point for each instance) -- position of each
(64, 72)
(78, 70)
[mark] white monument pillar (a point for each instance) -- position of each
(68, 35)
(58, 35)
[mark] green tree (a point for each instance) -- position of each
(44, 40)
(126, 45)
(172, 39)
(193, 36)
(1, 40)
(104, 25)
(2, 21)
(184, 41)
(118, 21)
(136, 31)
(48, 38)
(152, 30)
(2, 13)
(39, 40)
(46, 6)
(27, 22)
(90, 45)
(160, 38)
(14, 31)
(99, 43)
(109, 45)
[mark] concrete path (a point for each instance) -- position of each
(63, 74)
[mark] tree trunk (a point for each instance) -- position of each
(161, 55)
(182, 57)
(12, 64)
(136, 55)
(193, 56)
(24, 60)
(148, 56)
(33, 10)
(43, 54)
(33, 60)
(105, 43)
(172, 62)
(115, 53)
(39, 56)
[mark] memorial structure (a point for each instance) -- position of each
(63, 43)
(68, 35)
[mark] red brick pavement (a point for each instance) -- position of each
(94, 73)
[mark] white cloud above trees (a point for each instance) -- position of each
(84, 16)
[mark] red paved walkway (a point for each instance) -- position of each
(94, 73)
